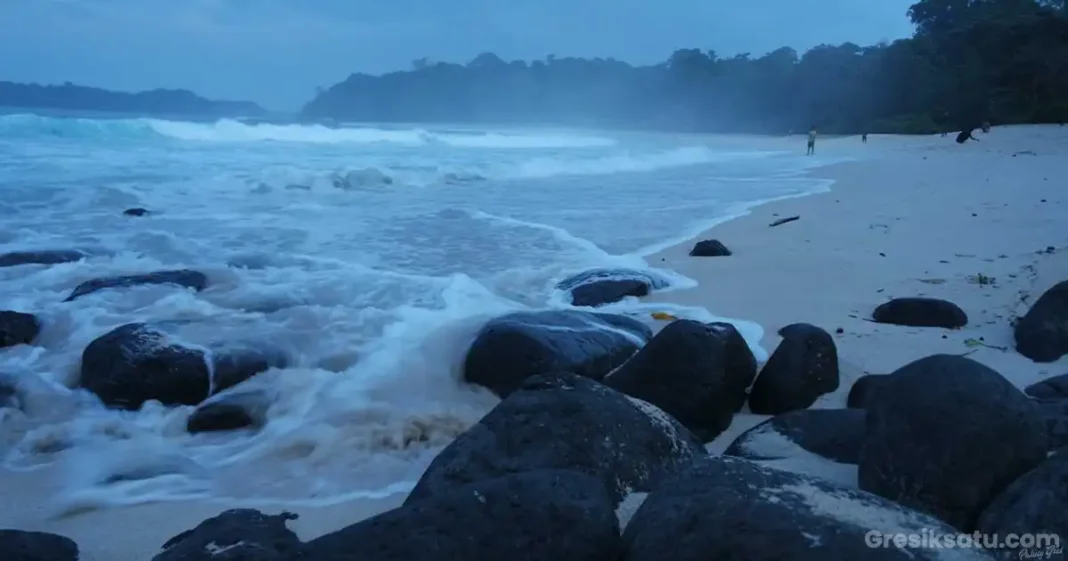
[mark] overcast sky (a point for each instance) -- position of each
(276, 52)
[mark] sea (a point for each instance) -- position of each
(370, 255)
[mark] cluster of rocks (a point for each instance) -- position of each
(596, 450)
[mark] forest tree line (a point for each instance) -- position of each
(968, 61)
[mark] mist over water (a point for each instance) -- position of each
(368, 256)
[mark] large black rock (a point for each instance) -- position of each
(17, 328)
(803, 367)
(545, 515)
(864, 390)
(1055, 413)
(1042, 333)
(135, 363)
(17, 545)
(234, 535)
(564, 421)
(834, 434)
(1036, 503)
(183, 277)
(697, 372)
(921, 312)
(946, 435)
(512, 347)
(728, 508)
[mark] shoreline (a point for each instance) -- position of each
(923, 210)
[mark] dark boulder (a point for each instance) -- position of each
(726, 508)
(512, 347)
(921, 312)
(1054, 387)
(137, 211)
(17, 545)
(696, 372)
(9, 391)
(41, 257)
(17, 328)
(135, 363)
(564, 421)
(604, 286)
(1055, 413)
(864, 389)
(184, 278)
(946, 435)
(1042, 333)
(834, 434)
(545, 515)
(234, 535)
(803, 367)
(231, 410)
(1035, 504)
(709, 248)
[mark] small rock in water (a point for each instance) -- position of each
(17, 328)
(186, 278)
(234, 535)
(136, 212)
(803, 367)
(230, 410)
(18, 545)
(42, 257)
(605, 286)
(1042, 333)
(921, 312)
(710, 248)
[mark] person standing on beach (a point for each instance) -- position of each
(811, 141)
(864, 138)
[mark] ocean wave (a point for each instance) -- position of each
(233, 131)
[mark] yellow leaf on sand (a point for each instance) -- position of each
(663, 316)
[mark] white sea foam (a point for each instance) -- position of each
(317, 247)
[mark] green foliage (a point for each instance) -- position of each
(1002, 61)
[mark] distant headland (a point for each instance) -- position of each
(73, 97)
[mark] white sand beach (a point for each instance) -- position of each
(912, 216)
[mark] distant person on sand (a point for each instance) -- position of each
(864, 138)
(811, 141)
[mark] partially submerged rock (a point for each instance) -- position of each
(18, 328)
(512, 347)
(18, 545)
(238, 535)
(184, 277)
(605, 286)
(40, 257)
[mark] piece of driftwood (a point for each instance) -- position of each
(783, 221)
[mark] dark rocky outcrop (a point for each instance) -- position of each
(696, 372)
(9, 391)
(1036, 503)
(512, 347)
(137, 211)
(545, 515)
(803, 367)
(18, 328)
(234, 535)
(40, 257)
(135, 363)
(230, 410)
(18, 545)
(564, 421)
(1054, 387)
(921, 312)
(835, 434)
(1042, 333)
(864, 389)
(183, 277)
(604, 286)
(729, 508)
(931, 434)
(709, 248)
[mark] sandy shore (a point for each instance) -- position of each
(913, 217)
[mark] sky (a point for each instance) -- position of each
(276, 52)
